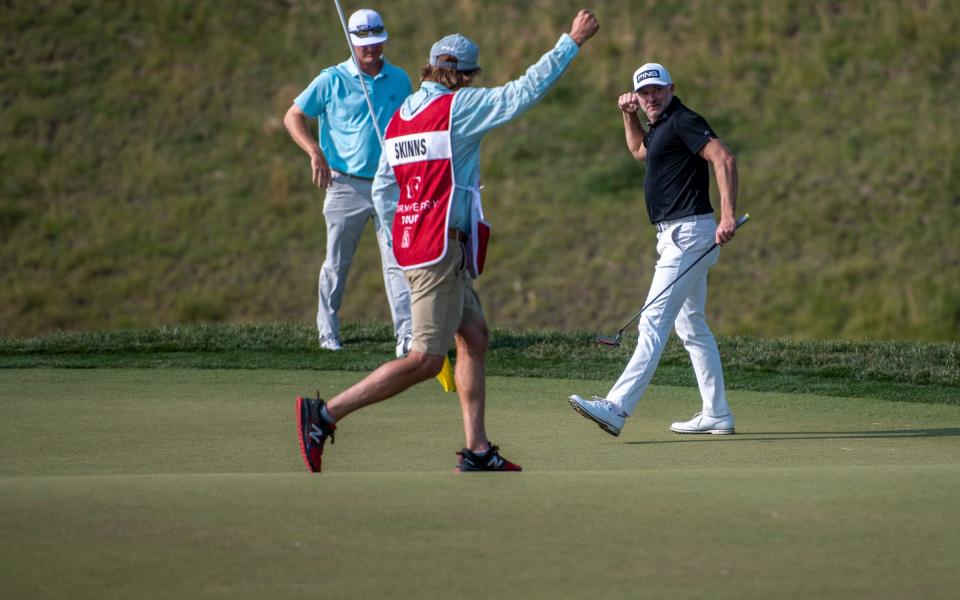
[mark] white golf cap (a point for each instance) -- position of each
(366, 28)
(458, 46)
(651, 74)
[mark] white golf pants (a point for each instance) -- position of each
(682, 306)
(346, 209)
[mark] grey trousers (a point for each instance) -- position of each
(346, 209)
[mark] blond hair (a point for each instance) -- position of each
(448, 77)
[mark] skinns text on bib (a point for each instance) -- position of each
(419, 151)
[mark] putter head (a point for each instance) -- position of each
(610, 340)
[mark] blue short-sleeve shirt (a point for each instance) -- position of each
(346, 134)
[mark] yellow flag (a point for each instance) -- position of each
(446, 376)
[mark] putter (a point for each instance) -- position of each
(614, 340)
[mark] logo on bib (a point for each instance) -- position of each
(413, 186)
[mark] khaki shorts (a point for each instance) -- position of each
(442, 300)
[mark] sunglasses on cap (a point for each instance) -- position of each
(365, 31)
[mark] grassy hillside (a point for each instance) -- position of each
(148, 178)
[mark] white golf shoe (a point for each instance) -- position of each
(330, 344)
(403, 347)
(701, 423)
(601, 411)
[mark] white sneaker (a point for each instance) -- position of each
(601, 411)
(701, 423)
(403, 347)
(330, 344)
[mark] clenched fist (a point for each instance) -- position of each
(585, 25)
(628, 103)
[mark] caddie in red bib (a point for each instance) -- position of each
(439, 235)
(419, 151)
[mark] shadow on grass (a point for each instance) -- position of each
(783, 436)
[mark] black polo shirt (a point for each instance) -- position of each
(677, 182)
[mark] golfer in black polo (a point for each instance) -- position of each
(677, 148)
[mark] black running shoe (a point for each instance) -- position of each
(313, 430)
(487, 461)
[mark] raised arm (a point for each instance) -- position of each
(629, 105)
(478, 110)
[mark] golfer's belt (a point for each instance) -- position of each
(664, 225)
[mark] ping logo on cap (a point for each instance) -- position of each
(647, 75)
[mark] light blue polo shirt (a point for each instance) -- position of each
(346, 134)
(475, 112)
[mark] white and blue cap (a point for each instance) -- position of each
(650, 74)
(366, 28)
(458, 46)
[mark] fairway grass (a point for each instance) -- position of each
(188, 483)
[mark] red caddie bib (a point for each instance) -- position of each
(419, 151)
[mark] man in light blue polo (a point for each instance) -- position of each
(344, 163)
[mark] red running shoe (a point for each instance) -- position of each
(313, 431)
(490, 460)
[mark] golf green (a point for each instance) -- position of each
(188, 483)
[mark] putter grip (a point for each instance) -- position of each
(742, 220)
